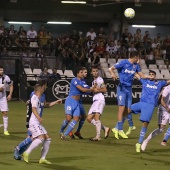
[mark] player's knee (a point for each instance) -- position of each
(89, 119)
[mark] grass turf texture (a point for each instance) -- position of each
(108, 154)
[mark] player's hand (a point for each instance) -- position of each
(114, 77)
(59, 101)
(95, 90)
(40, 119)
(9, 97)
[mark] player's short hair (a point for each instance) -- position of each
(151, 71)
(84, 68)
(41, 82)
(94, 67)
(77, 70)
(37, 87)
(1, 66)
(134, 54)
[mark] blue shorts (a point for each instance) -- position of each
(72, 107)
(124, 96)
(146, 111)
(82, 110)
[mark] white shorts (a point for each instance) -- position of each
(97, 107)
(163, 117)
(3, 105)
(37, 130)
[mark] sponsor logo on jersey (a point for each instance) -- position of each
(151, 87)
(129, 71)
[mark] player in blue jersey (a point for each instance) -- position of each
(72, 103)
(149, 99)
(126, 69)
(82, 110)
(18, 150)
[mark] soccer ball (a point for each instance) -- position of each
(129, 13)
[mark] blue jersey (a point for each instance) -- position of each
(126, 71)
(151, 90)
(42, 100)
(73, 87)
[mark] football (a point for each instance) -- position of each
(129, 13)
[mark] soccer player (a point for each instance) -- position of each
(18, 150)
(72, 103)
(4, 81)
(39, 134)
(163, 116)
(126, 70)
(97, 107)
(149, 98)
(82, 110)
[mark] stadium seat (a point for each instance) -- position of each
(111, 60)
(165, 73)
(50, 71)
(68, 73)
(143, 66)
(37, 71)
(145, 71)
(28, 70)
(102, 60)
(152, 66)
(108, 74)
(142, 61)
(162, 66)
(160, 62)
(60, 72)
(120, 59)
(104, 65)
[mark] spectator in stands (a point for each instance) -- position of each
(32, 35)
(91, 33)
(125, 36)
(150, 58)
(39, 60)
(95, 59)
(62, 59)
(5, 39)
(1, 29)
(111, 50)
(12, 35)
(74, 36)
(122, 52)
(101, 49)
(41, 31)
(44, 74)
(101, 33)
(138, 35)
(131, 48)
(4, 53)
(55, 75)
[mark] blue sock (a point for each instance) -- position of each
(63, 126)
(167, 134)
(70, 127)
(120, 125)
(117, 126)
(142, 134)
(23, 149)
(130, 121)
(25, 142)
(81, 123)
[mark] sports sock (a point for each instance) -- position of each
(130, 121)
(120, 125)
(23, 149)
(142, 134)
(93, 122)
(63, 126)
(167, 134)
(81, 123)
(70, 127)
(34, 144)
(117, 126)
(24, 142)
(98, 128)
(5, 121)
(154, 133)
(45, 149)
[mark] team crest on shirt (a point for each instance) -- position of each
(156, 82)
(75, 82)
(134, 66)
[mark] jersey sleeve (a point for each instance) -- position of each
(34, 101)
(119, 65)
(163, 83)
(143, 80)
(165, 92)
(8, 80)
(138, 69)
(76, 82)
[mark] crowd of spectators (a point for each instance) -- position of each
(75, 48)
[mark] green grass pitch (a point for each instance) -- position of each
(108, 154)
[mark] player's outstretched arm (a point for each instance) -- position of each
(112, 72)
(47, 104)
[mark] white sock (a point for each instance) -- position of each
(46, 146)
(154, 133)
(98, 128)
(5, 120)
(33, 145)
(93, 122)
(103, 127)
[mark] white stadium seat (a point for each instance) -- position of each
(68, 73)
(152, 66)
(162, 66)
(104, 65)
(60, 72)
(28, 70)
(50, 71)
(160, 62)
(102, 60)
(37, 71)
(142, 61)
(111, 60)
